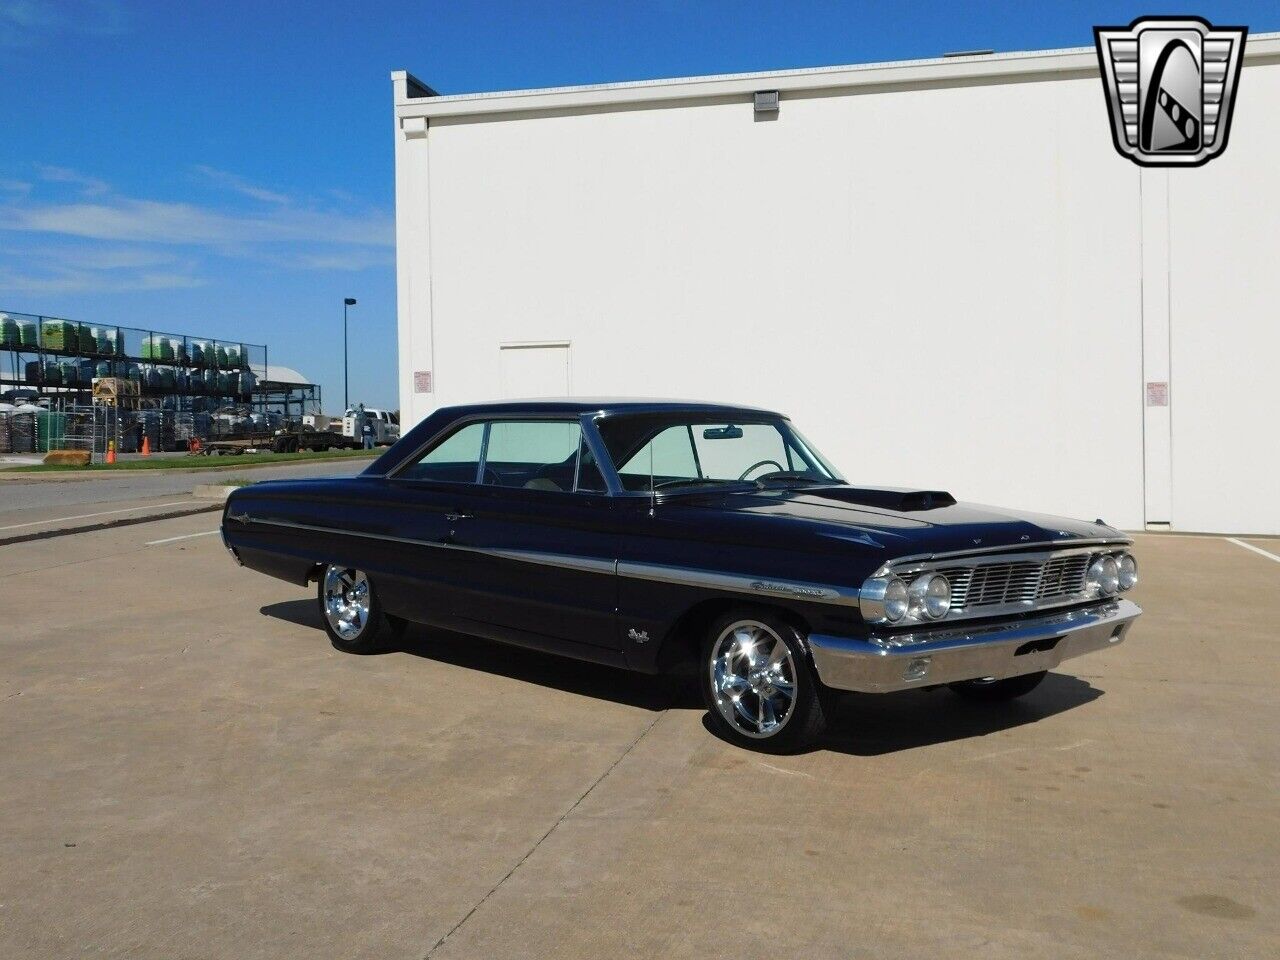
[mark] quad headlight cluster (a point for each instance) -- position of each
(925, 596)
(1111, 574)
(917, 598)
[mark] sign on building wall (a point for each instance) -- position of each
(422, 381)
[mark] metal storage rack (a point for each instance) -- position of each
(60, 358)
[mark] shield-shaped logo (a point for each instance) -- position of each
(1170, 84)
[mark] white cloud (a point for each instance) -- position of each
(89, 186)
(74, 267)
(15, 186)
(240, 185)
(330, 261)
(130, 219)
(25, 23)
(87, 281)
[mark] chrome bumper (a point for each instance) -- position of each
(885, 662)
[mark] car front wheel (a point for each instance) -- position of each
(351, 612)
(758, 686)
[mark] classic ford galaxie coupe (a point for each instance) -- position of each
(652, 534)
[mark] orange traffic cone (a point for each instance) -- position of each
(146, 445)
(111, 451)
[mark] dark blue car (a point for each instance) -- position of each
(651, 534)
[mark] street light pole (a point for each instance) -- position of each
(346, 400)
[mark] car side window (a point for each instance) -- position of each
(455, 459)
(533, 455)
(669, 455)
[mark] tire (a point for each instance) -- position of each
(351, 612)
(998, 691)
(759, 696)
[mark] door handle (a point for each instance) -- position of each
(451, 517)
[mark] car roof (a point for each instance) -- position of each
(606, 406)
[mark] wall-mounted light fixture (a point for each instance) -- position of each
(766, 102)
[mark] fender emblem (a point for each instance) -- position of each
(790, 588)
(639, 636)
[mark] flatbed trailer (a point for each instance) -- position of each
(234, 446)
(315, 440)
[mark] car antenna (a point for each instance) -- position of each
(653, 494)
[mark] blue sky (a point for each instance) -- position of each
(225, 169)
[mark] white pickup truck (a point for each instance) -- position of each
(386, 428)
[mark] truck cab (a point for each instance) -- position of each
(386, 426)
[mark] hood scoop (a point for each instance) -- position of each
(887, 498)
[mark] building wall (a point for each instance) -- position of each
(958, 286)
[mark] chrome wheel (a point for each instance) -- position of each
(753, 679)
(346, 601)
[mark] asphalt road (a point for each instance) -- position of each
(42, 492)
(190, 770)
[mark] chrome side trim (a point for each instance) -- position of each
(563, 560)
(567, 561)
(706, 579)
(738, 583)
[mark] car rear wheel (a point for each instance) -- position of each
(991, 690)
(759, 688)
(351, 612)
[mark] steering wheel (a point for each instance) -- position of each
(762, 463)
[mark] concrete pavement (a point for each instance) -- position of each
(190, 770)
(20, 492)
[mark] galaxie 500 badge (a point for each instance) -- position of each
(1170, 85)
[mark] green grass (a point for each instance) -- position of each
(228, 462)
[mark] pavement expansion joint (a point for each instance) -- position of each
(562, 818)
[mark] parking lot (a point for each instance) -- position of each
(190, 770)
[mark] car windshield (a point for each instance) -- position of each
(674, 452)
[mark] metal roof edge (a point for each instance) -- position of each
(992, 67)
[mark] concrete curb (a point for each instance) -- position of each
(212, 491)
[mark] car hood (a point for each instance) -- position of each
(858, 514)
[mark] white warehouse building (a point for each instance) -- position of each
(942, 270)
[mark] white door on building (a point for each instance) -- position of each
(534, 369)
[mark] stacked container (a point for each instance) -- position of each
(59, 335)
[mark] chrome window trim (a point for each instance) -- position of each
(585, 423)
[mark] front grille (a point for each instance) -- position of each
(1028, 582)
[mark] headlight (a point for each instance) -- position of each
(1128, 572)
(896, 600)
(1104, 573)
(930, 596)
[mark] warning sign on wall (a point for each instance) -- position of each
(422, 381)
(1158, 393)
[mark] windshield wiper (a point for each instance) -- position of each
(789, 476)
(690, 482)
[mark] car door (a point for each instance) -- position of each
(539, 541)
(424, 502)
